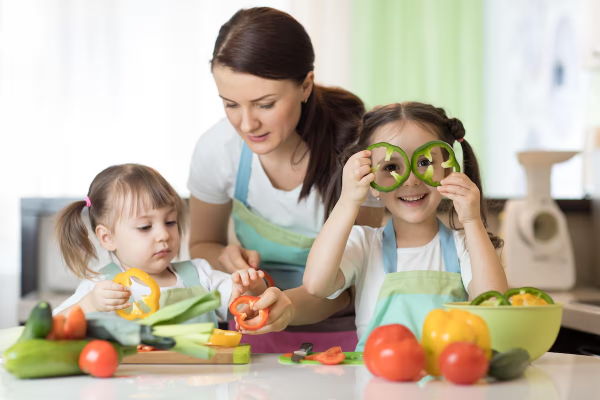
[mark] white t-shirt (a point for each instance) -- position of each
(213, 175)
(362, 265)
(209, 278)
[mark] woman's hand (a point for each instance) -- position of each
(357, 178)
(107, 296)
(235, 257)
(465, 195)
(281, 312)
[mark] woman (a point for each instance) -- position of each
(271, 162)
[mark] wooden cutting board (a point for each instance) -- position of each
(223, 355)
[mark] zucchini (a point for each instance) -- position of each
(40, 358)
(39, 323)
(509, 365)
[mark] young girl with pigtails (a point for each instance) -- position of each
(415, 263)
(138, 217)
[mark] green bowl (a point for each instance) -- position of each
(533, 328)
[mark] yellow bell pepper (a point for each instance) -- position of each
(444, 327)
(225, 338)
(124, 278)
(527, 299)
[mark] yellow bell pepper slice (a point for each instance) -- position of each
(222, 337)
(444, 327)
(152, 301)
(527, 299)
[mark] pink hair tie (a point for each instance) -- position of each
(88, 202)
(460, 140)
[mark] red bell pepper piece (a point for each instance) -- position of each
(240, 317)
(269, 279)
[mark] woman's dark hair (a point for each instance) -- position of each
(433, 120)
(270, 44)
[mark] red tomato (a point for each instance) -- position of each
(400, 361)
(393, 333)
(463, 363)
(99, 358)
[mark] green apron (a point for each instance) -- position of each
(407, 297)
(189, 275)
(283, 254)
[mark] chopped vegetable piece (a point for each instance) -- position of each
(500, 299)
(240, 317)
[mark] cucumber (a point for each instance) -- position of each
(39, 358)
(39, 323)
(509, 365)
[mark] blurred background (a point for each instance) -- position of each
(85, 84)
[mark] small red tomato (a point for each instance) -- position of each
(392, 333)
(463, 363)
(99, 358)
(401, 361)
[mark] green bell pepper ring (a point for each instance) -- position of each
(500, 299)
(540, 294)
(400, 179)
(425, 151)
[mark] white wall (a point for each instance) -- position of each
(85, 84)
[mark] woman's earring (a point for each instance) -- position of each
(305, 100)
(378, 198)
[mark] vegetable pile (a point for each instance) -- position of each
(96, 343)
(455, 344)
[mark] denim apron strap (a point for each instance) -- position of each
(243, 175)
(449, 254)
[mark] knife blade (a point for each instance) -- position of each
(300, 354)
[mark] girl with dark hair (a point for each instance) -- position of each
(271, 164)
(415, 263)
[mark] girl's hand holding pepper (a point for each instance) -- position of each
(465, 195)
(357, 178)
(106, 296)
(280, 312)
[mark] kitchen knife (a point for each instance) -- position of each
(300, 354)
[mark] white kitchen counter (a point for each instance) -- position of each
(554, 376)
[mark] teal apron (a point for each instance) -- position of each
(407, 297)
(283, 255)
(189, 275)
